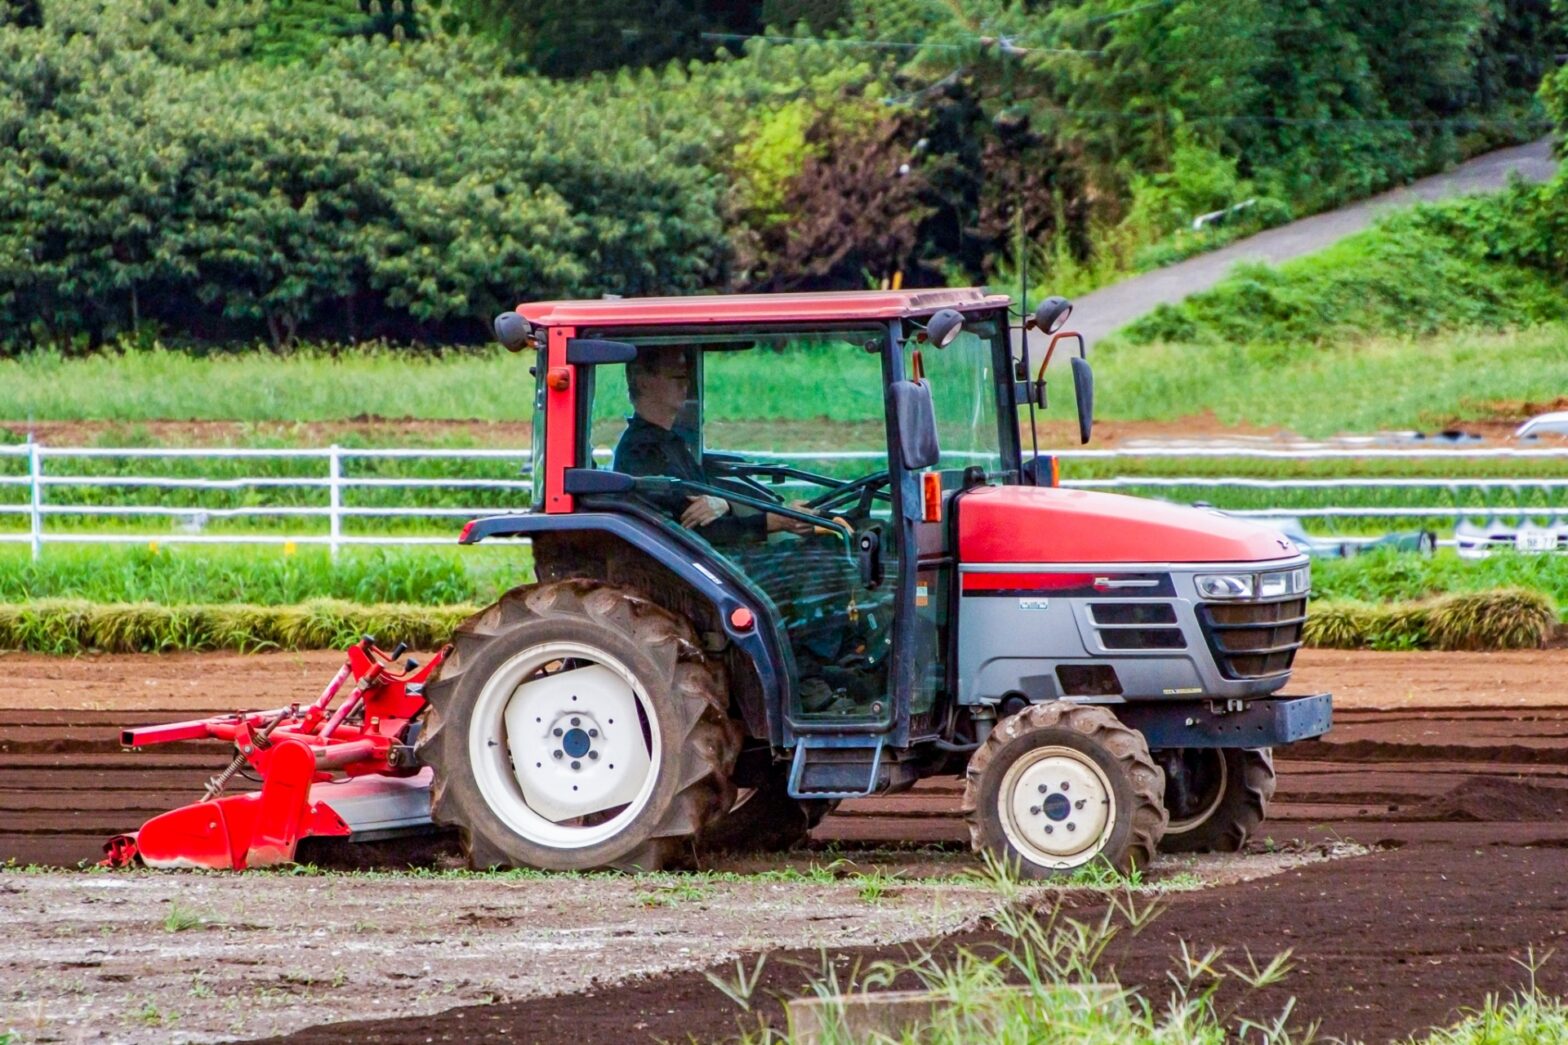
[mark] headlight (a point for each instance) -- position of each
(1225, 585)
(1275, 585)
(1286, 582)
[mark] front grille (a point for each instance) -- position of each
(1142, 638)
(1254, 640)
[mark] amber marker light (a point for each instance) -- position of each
(931, 487)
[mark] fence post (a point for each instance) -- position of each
(35, 472)
(335, 492)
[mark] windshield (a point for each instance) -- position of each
(963, 393)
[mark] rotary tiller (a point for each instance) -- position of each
(346, 771)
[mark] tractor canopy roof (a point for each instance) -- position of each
(846, 307)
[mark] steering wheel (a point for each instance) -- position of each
(864, 489)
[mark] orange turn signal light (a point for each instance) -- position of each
(741, 619)
(559, 379)
(931, 495)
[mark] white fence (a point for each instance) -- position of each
(39, 479)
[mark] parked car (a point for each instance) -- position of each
(1422, 542)
(1478, 540)
(1554, 423)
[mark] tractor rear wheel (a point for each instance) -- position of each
(765, 819)
(1061, 786)
(576, 726)
(1216, 796)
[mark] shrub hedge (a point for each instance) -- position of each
(231, 169)
(1509, 618)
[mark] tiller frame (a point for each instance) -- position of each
(344, 772)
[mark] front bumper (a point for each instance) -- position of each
(1258, 722)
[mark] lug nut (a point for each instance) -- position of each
(1064, 785)
(577, 721)
(593, 754)
(1080, 803)
(1048, 829)
(593, 732)
(576, 764)
(557, 730)
(1042, 789)
(1034, 810)
(1070, 825)
(558, 753)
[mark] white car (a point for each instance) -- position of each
(1555, 423)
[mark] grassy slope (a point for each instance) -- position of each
(1400, 326)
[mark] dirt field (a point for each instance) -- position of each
(1448, 772)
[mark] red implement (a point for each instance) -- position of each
(344, 772)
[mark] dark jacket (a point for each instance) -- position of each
(647, 449)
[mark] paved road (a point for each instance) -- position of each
(1110, 308)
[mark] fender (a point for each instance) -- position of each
(713, 578)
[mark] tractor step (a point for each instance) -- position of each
(836, 767)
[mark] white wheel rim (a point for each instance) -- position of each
(513, 740)
(1057, 807)
(1196, 819)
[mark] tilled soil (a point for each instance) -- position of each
(1462, 806)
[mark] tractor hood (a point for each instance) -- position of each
(1008, 524)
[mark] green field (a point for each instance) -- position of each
(264, 575)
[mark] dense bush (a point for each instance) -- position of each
(355, 168)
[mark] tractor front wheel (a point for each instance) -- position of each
(1061, 786)
(576, 726)
(1216, 796)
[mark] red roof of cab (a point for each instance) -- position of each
(757, 308)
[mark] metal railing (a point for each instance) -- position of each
(36, 480)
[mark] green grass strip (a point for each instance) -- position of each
(1509, 618)
(68, 626)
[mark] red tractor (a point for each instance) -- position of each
(790, 550)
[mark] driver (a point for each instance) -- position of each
(658, 383)
(810, 583)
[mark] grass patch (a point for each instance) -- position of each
(180, 918)
(310, 384)
(1529, 1017)
(1387, 576)
(1505, 619)
(1495, 620)
(70, 627)
(1349, 385)
(264, 576)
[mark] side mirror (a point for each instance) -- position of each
(1083, 390)
(513, 331)
(915, 423)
